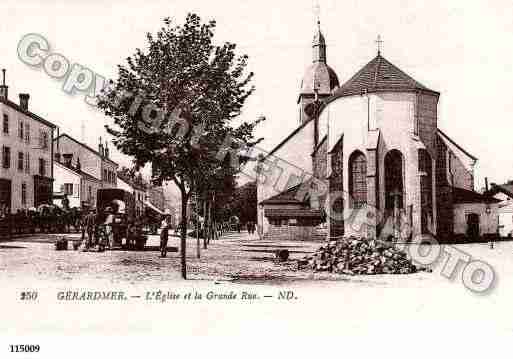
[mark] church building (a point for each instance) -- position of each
(372, 151)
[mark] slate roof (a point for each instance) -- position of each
(444, 136)
(325, 77)
(286, 197)
(461, 195)
(377, 76)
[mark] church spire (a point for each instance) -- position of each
(319, 43)
(379, 43)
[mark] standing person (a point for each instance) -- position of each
(109, 220)
(248, 226)
(164, 234)
(89, 227)
(82, 225)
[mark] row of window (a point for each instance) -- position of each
(24, 132)
(70, 189)
(283, 222)
(393, 179)
(23, 161)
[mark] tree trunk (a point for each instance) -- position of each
(209, 221)
(183, 235)
(214, 229)
(198, 246)
(204, 224)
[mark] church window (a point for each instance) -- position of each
(358, 179)
(394, 180)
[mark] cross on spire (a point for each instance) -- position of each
(379, 43)
(317, 12)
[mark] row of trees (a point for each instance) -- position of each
(174, 104)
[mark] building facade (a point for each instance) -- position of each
(138, 191)
(26, 155)
(504, 194)
(367, 158)
(79, 187)
(96, 163)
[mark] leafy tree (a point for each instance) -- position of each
(132, 176)
(174, 105)
(244, 202)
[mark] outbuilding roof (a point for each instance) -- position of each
(461, 195)
(289, 196)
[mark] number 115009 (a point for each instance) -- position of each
(24, 348)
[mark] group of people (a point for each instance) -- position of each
(100, 231)
(47, 219)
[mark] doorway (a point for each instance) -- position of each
(5, 196)
(473, 225)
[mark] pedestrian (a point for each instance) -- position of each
(88, 227)
(109, 220)
(164, 234)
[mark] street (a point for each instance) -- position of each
(239, 263)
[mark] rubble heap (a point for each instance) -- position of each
(354, 255)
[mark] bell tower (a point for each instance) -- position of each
(319, 79)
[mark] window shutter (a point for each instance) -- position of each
(27, 164)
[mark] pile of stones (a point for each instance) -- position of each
(353, 255)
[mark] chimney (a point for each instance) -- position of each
(486, 184)
(68, 157)
(79, 166)
(24, 100)
(100, 148)
(106, 149)
(4, 89)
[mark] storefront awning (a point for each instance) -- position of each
(151, 206)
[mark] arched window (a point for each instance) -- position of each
(394, 179)
(358, 179)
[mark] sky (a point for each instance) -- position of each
(463, 49)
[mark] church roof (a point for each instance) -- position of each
(377, 76)
(325, 77)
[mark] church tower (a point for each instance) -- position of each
(319, 79)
